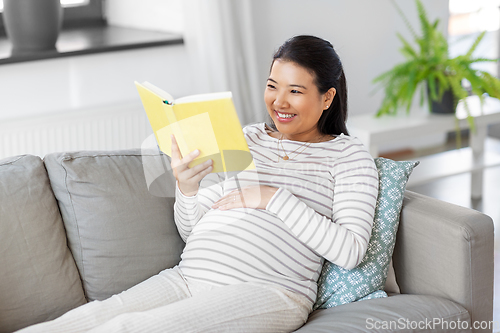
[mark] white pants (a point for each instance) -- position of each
(168, 303)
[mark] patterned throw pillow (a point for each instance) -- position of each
(337, 285)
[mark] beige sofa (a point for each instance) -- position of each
(85, 225)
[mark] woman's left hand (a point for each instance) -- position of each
(257, 196)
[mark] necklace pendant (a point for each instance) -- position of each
(285, 158)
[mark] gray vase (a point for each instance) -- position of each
(32, 25)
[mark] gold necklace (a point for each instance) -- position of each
(286, 157)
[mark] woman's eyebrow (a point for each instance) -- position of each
(291, 85)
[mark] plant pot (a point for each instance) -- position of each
(32, 25)
(446, 105)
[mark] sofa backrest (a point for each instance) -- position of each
(39, 279)
(120, 229)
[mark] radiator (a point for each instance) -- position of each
(104, 128)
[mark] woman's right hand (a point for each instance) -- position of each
(188, 178)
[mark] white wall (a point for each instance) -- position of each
(65, 84)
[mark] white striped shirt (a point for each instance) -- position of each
(324, 208)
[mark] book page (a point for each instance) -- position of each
(203, 139)
(165, 96)
(232, 149)
(204, 97)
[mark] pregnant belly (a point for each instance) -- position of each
(248, 242)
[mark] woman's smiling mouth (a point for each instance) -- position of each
(284, 117)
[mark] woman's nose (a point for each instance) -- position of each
(280, 102)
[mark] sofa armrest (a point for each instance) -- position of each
(446, 250)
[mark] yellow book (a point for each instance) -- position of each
(207, 122)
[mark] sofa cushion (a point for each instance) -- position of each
(400, 313)
(38, 277)
(337, 285)
(120, 234)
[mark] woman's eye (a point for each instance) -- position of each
(296, 92)
(270, 86)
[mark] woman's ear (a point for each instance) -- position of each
(328, 98)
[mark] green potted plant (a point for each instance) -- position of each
(429, 69)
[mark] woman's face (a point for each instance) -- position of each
(294, 102)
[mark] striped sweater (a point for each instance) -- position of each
(324, 208)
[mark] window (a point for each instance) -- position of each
(76, 13)
(467, 20)
(70, 3)
(467, 17)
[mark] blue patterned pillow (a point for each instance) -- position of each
(337, 285)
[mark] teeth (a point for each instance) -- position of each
(285, 115)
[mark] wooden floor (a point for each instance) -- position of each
(456, 189)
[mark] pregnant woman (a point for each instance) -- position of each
(256, 241)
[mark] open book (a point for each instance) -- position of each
(207, 122)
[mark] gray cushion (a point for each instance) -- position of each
(120, 234)
(400, 313)
(38, 277)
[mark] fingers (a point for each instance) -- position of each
(188, 159)
(234, 199)
(188, 178)
(176, 153)
(177, 159)
(180, 164)
(194, 174)
(197, 173)
(231, 200)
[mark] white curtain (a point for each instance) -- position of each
(218, 35)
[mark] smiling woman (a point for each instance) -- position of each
(294, 102)
(306, 94)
